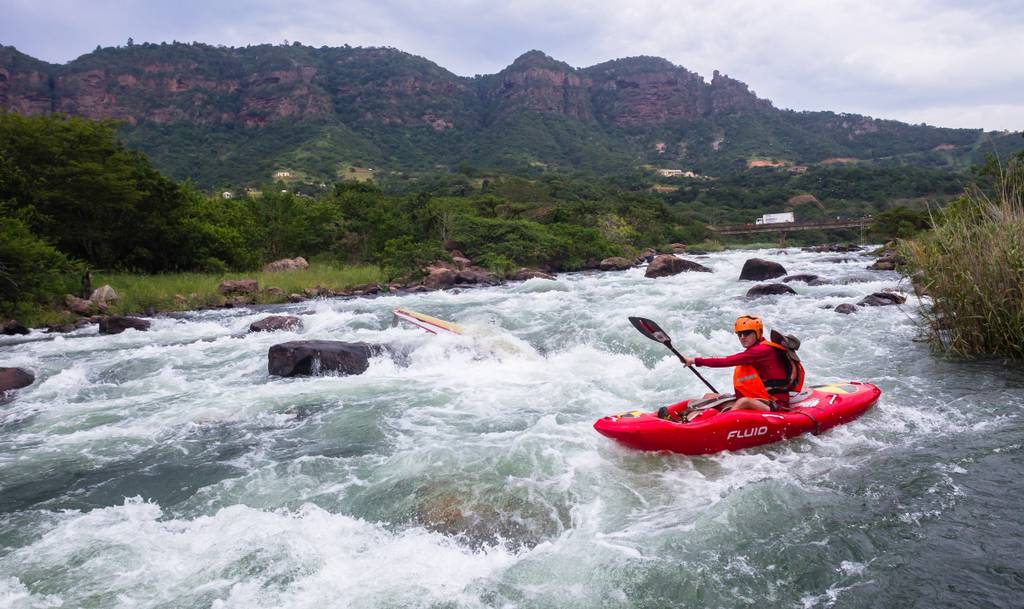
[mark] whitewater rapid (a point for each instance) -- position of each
(167, 469)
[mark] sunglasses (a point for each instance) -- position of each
(743, 333)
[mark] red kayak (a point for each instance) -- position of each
(815, 410)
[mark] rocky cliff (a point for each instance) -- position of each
(199, 84)
(336, 106)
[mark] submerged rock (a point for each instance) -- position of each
(13, 327)
(846, 308)
(315, 357)
(668, 264)
(115, 324)
(524, 273)
(757, 269)
(806, 278)
(276, 322)
(881, 299)
(15, 378)
(769, 289)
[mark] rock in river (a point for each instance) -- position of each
(314, 357)
(15, 378)
(756, 269)
(615, 263)
(806, 278)
(276, 322)
(115, 324)
(881, 299)
(667, 264)
(769, 289)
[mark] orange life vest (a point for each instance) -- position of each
(748, 383)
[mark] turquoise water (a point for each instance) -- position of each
(166, 469)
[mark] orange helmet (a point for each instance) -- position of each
(749, 322)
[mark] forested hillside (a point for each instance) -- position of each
(225, 117)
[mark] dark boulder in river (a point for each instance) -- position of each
(667, 264)
(525, 273)
(276, 322)
(757, 269)
(13, 327)
(615, 263)
(885, 263)
(315, 357)
(769, 289)
(806, 278)
(15, 378)
(846, 308)
(115, 324)
(881, 299)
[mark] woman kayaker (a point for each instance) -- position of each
(765, 371)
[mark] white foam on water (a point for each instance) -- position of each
(538, 285)
(498, 420)
(15, 595)
(240, 557)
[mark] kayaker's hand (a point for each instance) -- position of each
(688, 360)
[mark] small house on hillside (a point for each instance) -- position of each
(676, 173)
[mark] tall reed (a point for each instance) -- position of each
(972, 265)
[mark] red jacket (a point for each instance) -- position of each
(762, 357)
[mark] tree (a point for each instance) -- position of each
(82, 191)
(32, 272)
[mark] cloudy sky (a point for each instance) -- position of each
(940, 62)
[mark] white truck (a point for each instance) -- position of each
(776, 218)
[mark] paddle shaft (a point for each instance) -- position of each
(692, 369)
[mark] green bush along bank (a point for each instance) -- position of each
(972, 264)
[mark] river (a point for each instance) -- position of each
(166, 469)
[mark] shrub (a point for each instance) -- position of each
(972, 265)
(405, 257)
(32, 272)
(500, 265)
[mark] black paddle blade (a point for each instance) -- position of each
(650, 329)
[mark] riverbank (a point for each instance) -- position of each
(140, 294)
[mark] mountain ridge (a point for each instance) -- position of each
(404, 112)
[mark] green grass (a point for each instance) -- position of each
(972, 264)
(184, 291)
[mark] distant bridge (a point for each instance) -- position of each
(787, 227)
